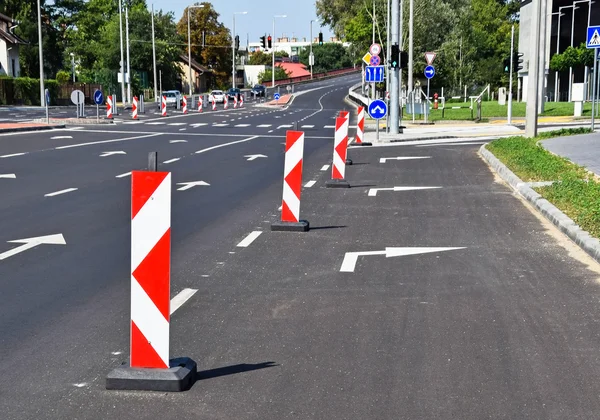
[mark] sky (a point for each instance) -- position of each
(259, 19)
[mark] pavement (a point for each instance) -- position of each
(583, 149)
(496, 318)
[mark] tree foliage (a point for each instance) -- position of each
(328, 57)
(260, 58)
(572, 57)
(266, 76)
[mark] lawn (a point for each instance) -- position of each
(575, 191)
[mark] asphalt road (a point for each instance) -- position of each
(501, 323)
(582, 150)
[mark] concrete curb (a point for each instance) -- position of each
(24, 129)
(76, 121)
(582, 238)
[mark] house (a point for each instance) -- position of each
(9, 47)
(200, 75)
(294, 69)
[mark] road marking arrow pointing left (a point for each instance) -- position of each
(253, 157)
(118, 152)
(373, 191)
(29, 243)
(350, 259)
(188, 185)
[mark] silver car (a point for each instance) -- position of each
(218, 95)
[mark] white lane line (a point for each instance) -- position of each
(285, 126)
(107, 141)
(178, 141)
(270, 131)
(61, 137)
(310, 184)
(155, 123)
(171, 160)
(68, 190)
(14, 154)
(198, 125)
(330, 126)
(249, 239)
(242, 125)
(181, 297)
(450, 144)
(263, 126)
(325, 167)
(11, 176)
(220, 125)
(308, 126)
(226, 144)
(182, 129)
(123, 175)
(177, 124)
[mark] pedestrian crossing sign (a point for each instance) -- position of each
(593, 37)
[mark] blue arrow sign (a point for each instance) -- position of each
(374, 74)
(429, 72)
(98, 98)
(593, 37)
(378, 109)
(276, 96)
(47, 92)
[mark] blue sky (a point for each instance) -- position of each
(259, 18)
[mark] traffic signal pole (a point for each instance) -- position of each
(394, 90)
(510, 74)
(531, 116)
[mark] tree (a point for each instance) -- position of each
(328, 57)
(280, 74)
(216, 53)
(572, 57)
(260, 58)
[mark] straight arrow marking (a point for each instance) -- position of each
(384, 160)
(253, 157)
(12, 176)
(373, 191)
(351, 258)
(29, 243)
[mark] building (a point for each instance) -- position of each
(9, 47)
(200, 75)
(572, 17)
(292, 46)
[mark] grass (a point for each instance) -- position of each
(576, 192)
(491, 109)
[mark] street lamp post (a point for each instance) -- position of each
(122, 58)
(233, 48)
(73, 65)
(42, 90)
(273, 51)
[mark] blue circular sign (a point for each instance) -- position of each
(47, 96)
(375, 60)
(276, 96)
(429, 72)
(98, 97)
(378, 109)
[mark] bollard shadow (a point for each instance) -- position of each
(232, 370)
(327, 227)
(362, 185)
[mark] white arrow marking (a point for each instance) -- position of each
(118, 152)
(12, 176)
(373, 191)
(384, 160)
(29, 243)
(378, 110)
(253, 157)
(188, 185)
(350, 259)
(178, 141)
(61, 137)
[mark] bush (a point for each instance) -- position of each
(63, 77)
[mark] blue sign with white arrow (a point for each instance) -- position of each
(593, 37)
(276, 96)
(98, 98)
(429, 72)
(374, 74)
(378, 109)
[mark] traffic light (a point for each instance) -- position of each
(517, 61)
(320, 38)
(395, 57)
(270, 42)
(263, 41)
(506, 64)
(237, 42)
(403, 59)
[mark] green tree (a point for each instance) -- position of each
(329, 56)
(266, 76)
(260, 58)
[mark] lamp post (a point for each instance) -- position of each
(273, 51)
(122, 58)
(42, 90)
(190, 46)
(556, 84)
(73, 65)
(233, 48)
(311, 58)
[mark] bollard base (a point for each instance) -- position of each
(364, 143)
(348, 161)
(337, 183)
(301, 226)
(179, 377)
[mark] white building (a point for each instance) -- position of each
(9, 47)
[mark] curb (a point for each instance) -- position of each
(582, 238)
(23, 129)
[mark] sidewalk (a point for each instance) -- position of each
(17, 127)
(583, 150)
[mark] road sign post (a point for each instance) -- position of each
(593, 41)
(429, 73)
(378, 110)
(98, 100)
(47, 97)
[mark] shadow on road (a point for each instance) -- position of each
(233, 369)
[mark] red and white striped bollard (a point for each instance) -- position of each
(200, 104)
(185, 110)
(134, 108)
(109, 107)
(163, 106)
(340, 149)
(225, 102)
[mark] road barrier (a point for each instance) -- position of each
(340, 149)
(235, 102)
(185, 109)
(214, 104)
(360, 128)
(142, 104)
(150, 367)
(109, 107)
(200, 103)
(163, 106)
(241, 101)
(292, 185)
(134, 108)
(225, 102)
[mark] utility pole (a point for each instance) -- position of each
(510, 74)
(374, 23)
(154, 57)
(542, 58)
(411, 15)
(128, 66)
(122, 64)
(189, 52)
(394, 92)
(42, 90)
(311, 58)
(531, 117)
(234, 49)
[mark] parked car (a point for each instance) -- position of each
(233, 92)
(172, 96)
(218, 95)
(259, 90)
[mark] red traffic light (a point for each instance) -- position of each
(269, 43)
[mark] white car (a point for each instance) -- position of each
(218, 95)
